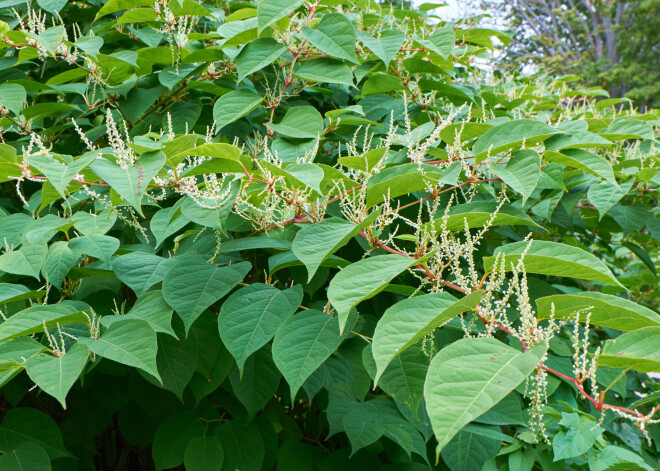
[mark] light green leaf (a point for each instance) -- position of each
(577, 139)
(363, 280)
(60, 175)
(637, 350)
(10, 292)
(628, 129)
(250, 317)
(12, 97)
(216, 212)
(31, 320)
(510, 135)
(521, 173)
(478, 213)
(113, 6)
(606, 310)
(162, 225)
(301, 122)
(131, 342)
(470, 376)
(324, 70)
(386, 46)
(441, 41)
(150, 307)
(334, 35)
(59, 261)
(269, 11)
(411, 319)
(131, 183)
(302, 344)
(233, 106)
(583, 160)
(56, 375)
(552, 258)
(203, 454)
(90, 224)
(27, 260)
(256, 55)
(314, 243)
(575, 437)
(605, 195)
(192, 285)
(97, 246)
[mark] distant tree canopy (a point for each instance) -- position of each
(609, 43)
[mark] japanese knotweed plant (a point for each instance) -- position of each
(310, 235)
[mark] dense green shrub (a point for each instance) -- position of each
(294, 236)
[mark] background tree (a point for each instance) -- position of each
(610, 43)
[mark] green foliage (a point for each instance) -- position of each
(310, 236)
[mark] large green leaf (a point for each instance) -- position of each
(583, 160)
(470, 376)
(243, 444)
(131, 342)
(234, 105)
(32, 320)
(22, 425)
(363, 280)
(577, 434)
(176, 362)
(441, 41)
(25, 456)
(301, 122)
(150, 307)
(302, 344)
(173, 436)
(478, 213)
(55, 375)
(60, 175)
(259, 382)
(521, 173)
(324, 70)
(27, 260)
(12, 97)
(97, 246)
(250, 317)
(510, 135)
(140, 271)
(269, 11)
(334, 35)
(637, 350)
(203, 454)
(192, 285)
(256, 55)
(410, 320)
(384, 47)
(131, 182)
(553, 258)
(606, 310)
(59, 261)
(314, 243)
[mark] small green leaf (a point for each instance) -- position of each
(259, 382)
(478, 213)
(56, 375)
(250, 317)
(510, 135)
(233, 106)
(131, 182)
(386, 46)
(192, 285)
(441, 41)
(521, 173)
(363, 280)
(301, 122)
(575, 437)
(12, 97)
(31, 320)
(140, 271)
(256, 55)
(27, 260)
(269, 11)
(334, 35)
(59, 261)
(302, 344)
(324, 70)
(130, 342)
(97, 246)
(60, 175)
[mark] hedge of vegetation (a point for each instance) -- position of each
(314, 236)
